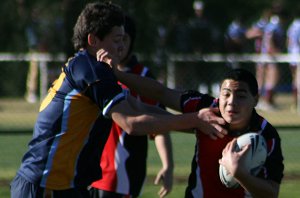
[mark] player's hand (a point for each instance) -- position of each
(166, 176)
(232, 160)
(103, 56)
(211, 123)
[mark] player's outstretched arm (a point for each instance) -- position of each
(144, 86)
(135, 122)
(152, 89)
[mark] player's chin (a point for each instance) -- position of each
(232, 119)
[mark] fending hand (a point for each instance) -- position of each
(211, 123)
(104, 56)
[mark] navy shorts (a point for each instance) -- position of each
(21, 188)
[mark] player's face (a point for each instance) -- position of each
(236, 104)
(113, 42)
(127, 41)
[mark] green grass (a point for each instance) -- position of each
(12, 148)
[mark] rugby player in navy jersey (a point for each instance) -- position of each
(124, 157)
(237, 100)
(76, 116)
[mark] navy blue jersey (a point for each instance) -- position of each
(72, 126)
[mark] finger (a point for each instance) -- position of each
(163, 192)
(219, 131)
(212, 136)
(157, 179)
(99, 54)
(227, 147)
(217, 120)
(216, 110)
(232, 145)
(244, 149)
(103, 56)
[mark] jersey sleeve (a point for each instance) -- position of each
(95, 80)
(192, 101)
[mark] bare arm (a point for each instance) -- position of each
(164, 147)
(151, 89)
(142, 85)
(140, 123)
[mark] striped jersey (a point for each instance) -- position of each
(72, 126)
(123, 161)
(204, 177)
(274, 36)
(293, 35)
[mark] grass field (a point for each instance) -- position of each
(17, 118)
(13, 146)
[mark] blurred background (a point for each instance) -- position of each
(185, 43)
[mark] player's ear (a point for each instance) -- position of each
(92, 39)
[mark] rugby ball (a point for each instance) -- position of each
(255, 157)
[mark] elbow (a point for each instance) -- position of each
(129, 126)
(137, 126)
(130, 130)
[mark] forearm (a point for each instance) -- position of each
(259, 188)
(164, 148)
(150, 88)
(145, 108)
(155, 123)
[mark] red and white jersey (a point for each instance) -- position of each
(123, 160)
(204, 177)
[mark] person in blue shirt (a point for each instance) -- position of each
(76, 116)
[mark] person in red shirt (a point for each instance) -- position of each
(124, 157)
(236, 103)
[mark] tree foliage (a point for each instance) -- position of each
(149, 15)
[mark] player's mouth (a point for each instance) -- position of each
(232, 112)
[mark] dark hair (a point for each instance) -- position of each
(244, 76)
(130, 29)
(97, 18)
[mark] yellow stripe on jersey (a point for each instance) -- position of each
(52, 91)
(77, 130)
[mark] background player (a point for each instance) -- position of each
(293, 47)
(124, 156)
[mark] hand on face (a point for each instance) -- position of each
(104, 56)
(211, 123)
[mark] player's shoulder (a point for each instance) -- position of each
(85, 67)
